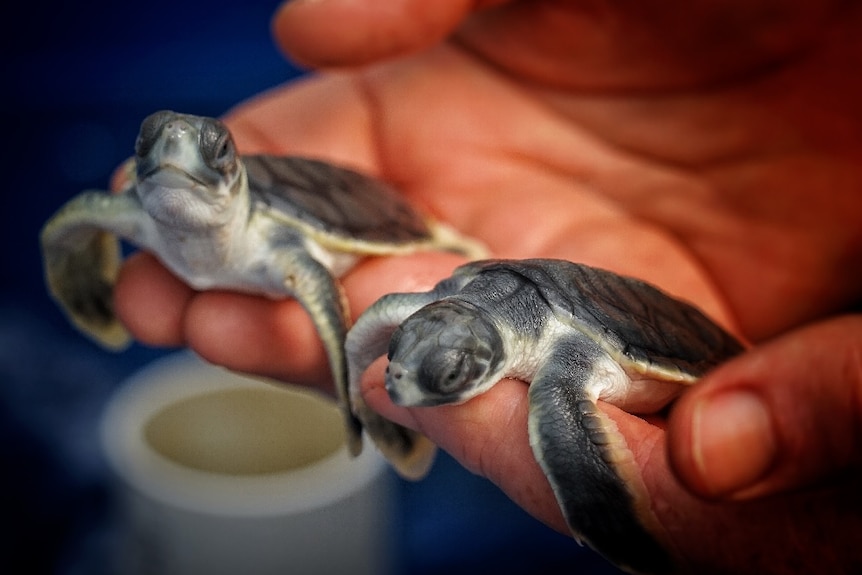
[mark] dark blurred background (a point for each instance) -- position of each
(77, 82)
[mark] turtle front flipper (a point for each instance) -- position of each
(409, 452)
(322, 297)
(81, 255)
(587, 461)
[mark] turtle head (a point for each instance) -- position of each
(447, 352)
(188, 172)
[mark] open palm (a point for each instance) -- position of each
(726, 172)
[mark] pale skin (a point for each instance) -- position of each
(714, 150)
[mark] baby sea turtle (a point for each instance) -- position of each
(576, 334)
(277, 226)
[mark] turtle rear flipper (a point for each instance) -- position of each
(82, 260)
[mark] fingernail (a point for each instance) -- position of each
(733, 442)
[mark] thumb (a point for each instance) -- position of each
(782, 416)
(326, 33)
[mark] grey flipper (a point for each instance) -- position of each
(322, 297)
(82, 258)
(583, 456)
(410, 453)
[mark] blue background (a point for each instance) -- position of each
(78, 81)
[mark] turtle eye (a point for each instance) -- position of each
(216, 145)
(449, 371)
(457, 374)
(151, 127)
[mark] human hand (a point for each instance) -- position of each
(644, 139)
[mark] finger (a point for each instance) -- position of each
(151, 302)
(256, 335)
(252, 334)
(487, 435)
(276, 338)
(780, 417)
(241, 332)
(326, 33)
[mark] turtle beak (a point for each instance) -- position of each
(394, 377)
(404, 390)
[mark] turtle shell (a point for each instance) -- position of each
(633, 320)
(333, 200)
